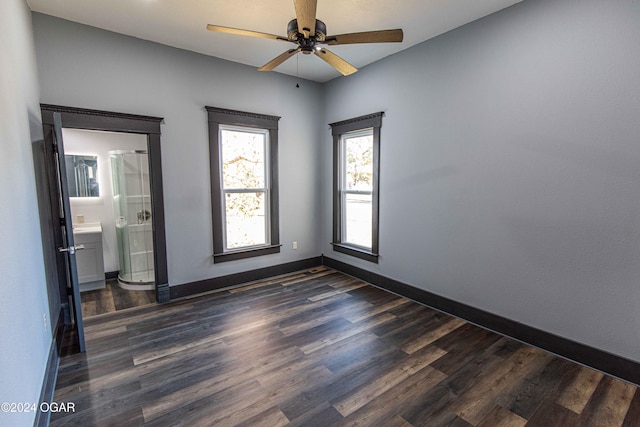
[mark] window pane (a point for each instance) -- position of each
(357, 221)
(245, 219)
(358, 153)
(242, 159)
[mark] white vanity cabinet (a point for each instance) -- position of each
(90, 259)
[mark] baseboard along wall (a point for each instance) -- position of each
(600, 360)
(51, 372)
(235, 279)
(608, 363)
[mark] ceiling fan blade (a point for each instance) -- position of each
(306, 16)
(278, 60)
(249, 33)
(383, 36)
(335, 61)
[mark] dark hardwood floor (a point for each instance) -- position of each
(113, 298)
(321, 348)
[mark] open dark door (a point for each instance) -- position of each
(68, 246)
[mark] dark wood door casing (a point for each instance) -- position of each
(81, 118)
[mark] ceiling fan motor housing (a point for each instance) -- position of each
(307, 44)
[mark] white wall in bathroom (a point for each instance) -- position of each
(100, 209)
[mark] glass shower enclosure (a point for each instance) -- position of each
(132, 208)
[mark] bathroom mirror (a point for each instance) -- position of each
(82, 175)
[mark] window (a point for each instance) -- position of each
(356, 151)
(356, 187)
(244, 191)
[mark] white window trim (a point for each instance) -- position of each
(344, 192)
(266, 190)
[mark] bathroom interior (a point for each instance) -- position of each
(109, 188)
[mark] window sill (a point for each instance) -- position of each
(356, 252)
(246, 253)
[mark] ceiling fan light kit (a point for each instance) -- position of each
(306, 43)
(309, 33)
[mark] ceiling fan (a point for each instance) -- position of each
(310, 33)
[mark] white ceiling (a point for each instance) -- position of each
(182, 23)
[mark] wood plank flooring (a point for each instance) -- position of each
(319, 348)
(113, 298)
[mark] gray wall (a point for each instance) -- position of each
(86, 67)
(26, 337)
(509, 156)
(510, 166)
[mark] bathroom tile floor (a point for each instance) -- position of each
(113, 298)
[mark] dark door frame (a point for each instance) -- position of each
(81, 118)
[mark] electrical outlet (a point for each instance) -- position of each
(44, 320)
(80, 219)
(295, 245)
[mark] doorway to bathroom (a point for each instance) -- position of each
(111, 211)
(92, 181)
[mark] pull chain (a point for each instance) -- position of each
(298, 70)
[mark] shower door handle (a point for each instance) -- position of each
(71, 249)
